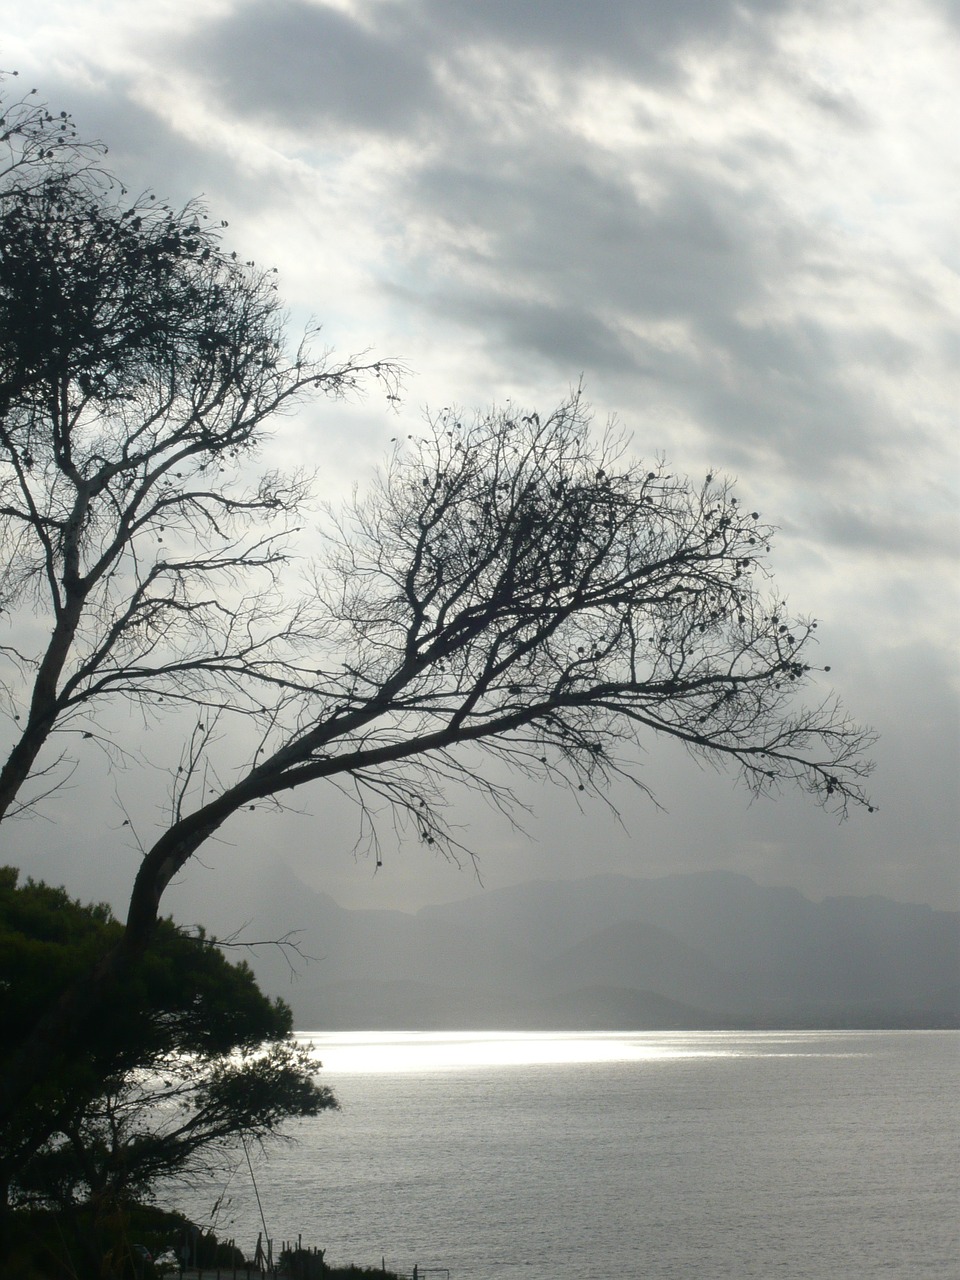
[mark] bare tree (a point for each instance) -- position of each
(34, 140)
(511, 590)
(512, 587)
(140, 365)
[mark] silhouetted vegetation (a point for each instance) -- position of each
(310, 1264)
(121, 1246)
(193, 1060)
(514, 589)
(360, 1273)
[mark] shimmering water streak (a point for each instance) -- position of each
(390, 1052)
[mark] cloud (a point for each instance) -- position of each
(632, 36)
(735, 219)
(387, 67)
(668, 272)
(307, 66)
(950, 10)
(566, 225)
(572, 337)
(892, 534)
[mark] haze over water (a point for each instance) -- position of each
(673, 1156)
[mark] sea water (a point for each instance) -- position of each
(669, 1156)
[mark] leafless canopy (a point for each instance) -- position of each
(140, 364)
(514, 583)
(34, 140)
(512, 588)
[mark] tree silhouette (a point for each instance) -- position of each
(512, 589)
(35, 140)
(193, 1058)
(140, 366)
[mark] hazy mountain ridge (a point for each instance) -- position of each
(712, 949)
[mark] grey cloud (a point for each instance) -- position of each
(566, 229)
(950, 10)
(300, 63)
(841, 106)
(783, 396)
(572, 338)
(889, 533)
(631, 35)
(144, 152)
(568, 226)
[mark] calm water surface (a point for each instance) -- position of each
(696, 1156)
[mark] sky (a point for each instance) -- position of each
(736, 222)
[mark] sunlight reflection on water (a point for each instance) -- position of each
(372, 1052)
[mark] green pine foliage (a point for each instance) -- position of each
(188, 1058)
